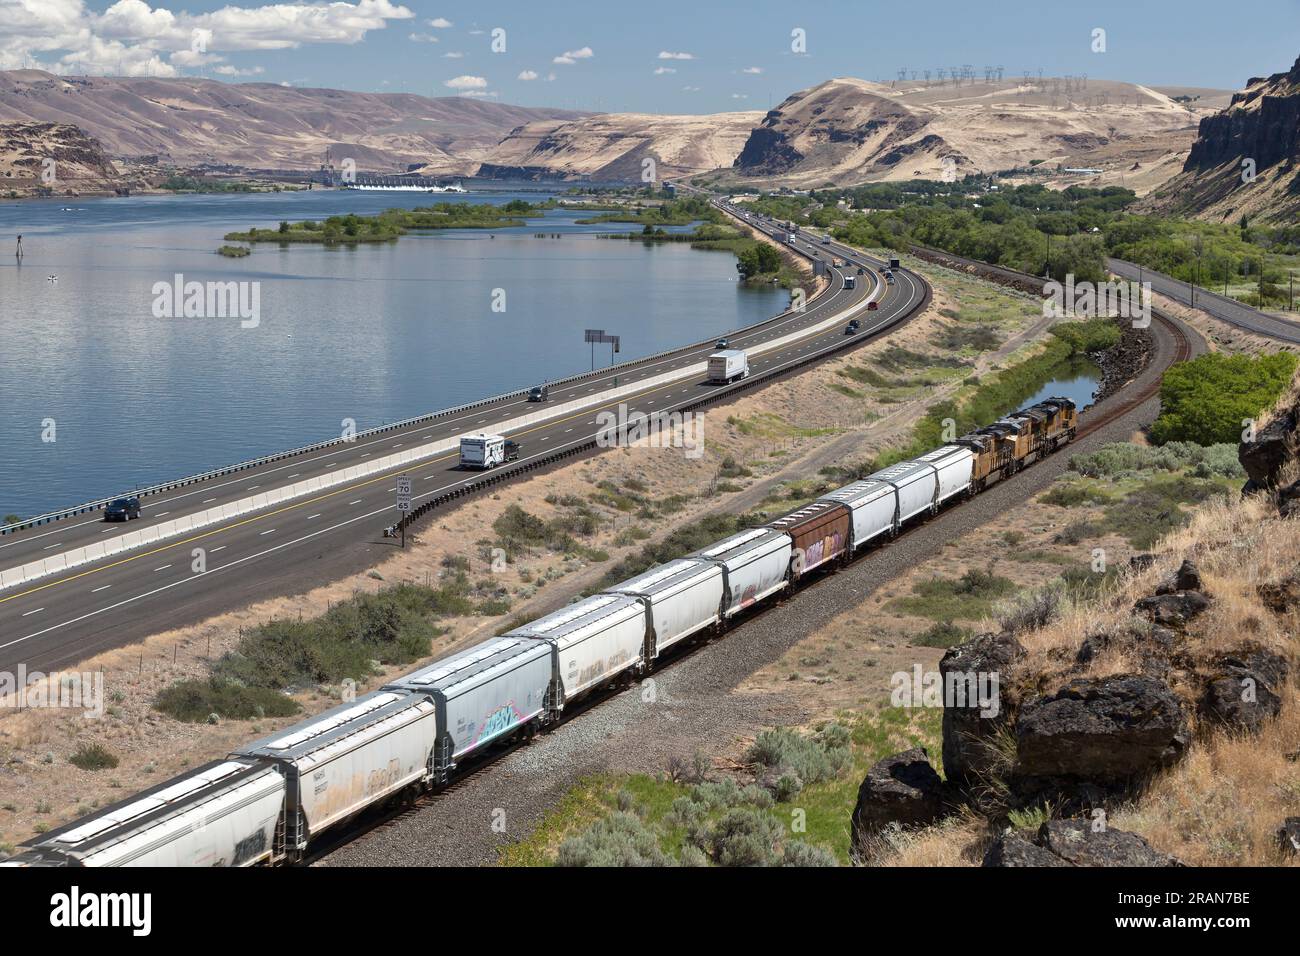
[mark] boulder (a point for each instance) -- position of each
(1074, 843)
(1107, 731)
(1245, 690)
(1288, 500)
(1273, 447)
(1282, 597)
(966, 731)
(1288, 837)
(903, 790)
(1014, 848)
(1172, 609)
(1154, 645)
(1186, 578)
(1140, 562)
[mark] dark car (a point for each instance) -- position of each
(512, 450)
(872, 306)
(723, 344)
(539, 393)
(861, 271)
(122, 509)
(852, 327)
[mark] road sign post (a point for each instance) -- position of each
(403, 502)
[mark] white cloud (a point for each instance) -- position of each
(661, 70)
(740, 96)
(453, 55)
(229, 70)
(752, 69)
(690, 89)
(423, 38)
(666, 55)
(527, 75)
(550, 77)
(439, 23)
(137, 39)
(466, 83)
(569, 57)
(492, 93)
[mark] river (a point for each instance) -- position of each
(98, 395)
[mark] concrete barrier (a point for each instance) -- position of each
(76, 557)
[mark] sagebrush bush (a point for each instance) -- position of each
(797, 853)
(744, 837)
(619, 839)
(193, 700)
(93, 757)
(1032, 610)
(821, 756)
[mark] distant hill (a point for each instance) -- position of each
(1262, 123)
(263, 125)
(613, 146)
(55, 159)
(848, 130)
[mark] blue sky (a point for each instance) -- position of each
(666, 56)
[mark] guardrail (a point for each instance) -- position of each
(502, 475)
(99, 503)
(76, 557)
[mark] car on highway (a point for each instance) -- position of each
(873, 306)
(861, 271)
(853, 326)
(122, 509)
(539, 393)
(723, 344)
(826, 240)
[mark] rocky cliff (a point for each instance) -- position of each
(1261, 125)
(614, 146)
(54, 159)
(848, 130)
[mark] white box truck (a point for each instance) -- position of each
(486, 451)
(728, 365)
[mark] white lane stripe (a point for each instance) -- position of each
(104, 587)
(37, 611)
(163, 568)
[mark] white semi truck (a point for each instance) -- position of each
(486, 451)
(728, 365)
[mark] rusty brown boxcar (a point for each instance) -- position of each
(820, 532)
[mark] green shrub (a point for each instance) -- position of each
(942, 634)
(93, 756)
(744, 837)
(812, 758)
(1207, 399)
(619, 839)
(194, 700)
(798, 853)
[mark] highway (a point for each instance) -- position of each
(1219, 306)
(60, 619)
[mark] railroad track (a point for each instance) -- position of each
(1173, 343)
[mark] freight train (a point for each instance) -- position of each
(268, 801)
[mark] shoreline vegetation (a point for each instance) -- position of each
(390, 224)
(759, 263)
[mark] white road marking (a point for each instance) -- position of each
(37, 611)
(101, 588)
(163, 568)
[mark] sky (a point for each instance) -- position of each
(667, 56)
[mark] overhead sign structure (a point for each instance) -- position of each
(598, 336)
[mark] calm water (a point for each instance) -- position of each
(1077, 379)
(376, 333)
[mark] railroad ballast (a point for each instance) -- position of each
(269, 800)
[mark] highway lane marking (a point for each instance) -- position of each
(357, 502)
(207, 500)
(679, 357)
(162, 515)
(37, 611)
(316, 515)
(215, 550)
(103, 587)
(163, 568)
(267, 531)
(430, 462)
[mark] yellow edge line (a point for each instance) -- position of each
(310, 501)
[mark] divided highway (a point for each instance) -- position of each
(65, 617)
(1220, 307)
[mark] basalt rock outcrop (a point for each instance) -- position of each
(902, 790)
(1098, 736)
(1075, 843)
(970, 727)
